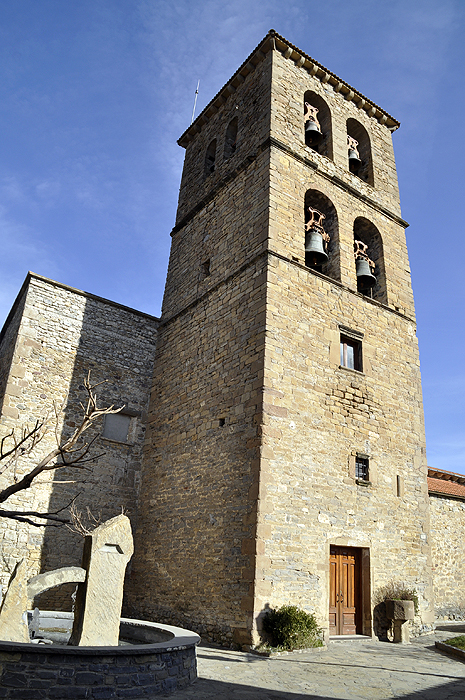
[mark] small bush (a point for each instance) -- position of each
(458, 642)
(291, 628)
(397, 590)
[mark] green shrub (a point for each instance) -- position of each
(458, 642)
(291, 628)
(397, 590)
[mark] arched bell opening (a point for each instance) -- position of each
(317, 124)
(210, 158)
(369, 260)
(321, 235)
(230, 140)
(359, 151)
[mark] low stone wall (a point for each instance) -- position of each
(143, 670)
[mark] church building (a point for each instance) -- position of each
(272, 445)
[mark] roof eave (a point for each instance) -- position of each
(274, 41)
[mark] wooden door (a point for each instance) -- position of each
(344, 590)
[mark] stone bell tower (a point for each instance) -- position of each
(285, 457)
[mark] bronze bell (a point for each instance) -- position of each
(314, 247)
(365, 277)
(313, 135)
(354, 161)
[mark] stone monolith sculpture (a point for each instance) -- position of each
(99, 599)
(13, 620)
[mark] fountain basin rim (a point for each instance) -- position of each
(181, 639)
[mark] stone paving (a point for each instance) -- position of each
(348, 670)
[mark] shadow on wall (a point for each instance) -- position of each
(117, 347)
(8, 344)
(381, 623)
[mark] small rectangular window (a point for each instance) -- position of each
(116, 427)
(351, 353)
(206, 268)
(362, 471)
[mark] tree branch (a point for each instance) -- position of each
(66, 454)
(52, 515)
(19, 515)
(21, 447)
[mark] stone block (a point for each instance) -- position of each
(43, 582)
(14, 680)
(13, 610)
(400, 609)
(107, 551)
(401, 632)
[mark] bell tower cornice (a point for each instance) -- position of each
(274, 41)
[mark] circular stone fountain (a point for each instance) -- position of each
(151, 659)
(93, 653)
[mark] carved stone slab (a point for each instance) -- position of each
(107, 551)
(13, 623)
(400, 609)
(43, 582)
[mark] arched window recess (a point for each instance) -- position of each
(230, 141)
(355, 162)
(321, 235)
(365, 268)
(317, 124)
(359, 151)
(369, 260)
(210, 158)
(316, 239)
(313, 135)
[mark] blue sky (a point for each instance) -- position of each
(95, 93)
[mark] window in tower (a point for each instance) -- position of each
(317, 124)
(365, 268)
(351, 352)
(230, 141)
(116, 427)
(362, 468)
(316, 239)
(321, 234)
(205, 268)
(369, 260)
(210, 158)
(359, 151)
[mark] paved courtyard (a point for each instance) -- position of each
(346, 670)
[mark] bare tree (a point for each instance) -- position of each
(70, 452)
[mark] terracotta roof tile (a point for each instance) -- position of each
(446, 487)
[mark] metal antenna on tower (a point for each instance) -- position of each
(195, 101)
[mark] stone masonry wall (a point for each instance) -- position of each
(63, 334)
(8, 338)
(301, 169)
(48, 674)
(316, 416)
(249, 101)
(290, 82)
(228, 229)
(447, 538)
(201, 454)
(200, 465)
